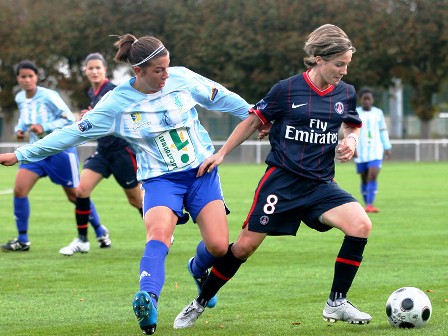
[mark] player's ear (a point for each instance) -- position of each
(138, 70)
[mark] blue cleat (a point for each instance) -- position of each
(146, 312)
(199, 281)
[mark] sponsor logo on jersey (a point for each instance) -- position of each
(317, 133)
(84, 125)
(298, 105)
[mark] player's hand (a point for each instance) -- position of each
(387, 154)
(20, 135)
(84, 112)
(263, 130)
(346, 149)
(209, 164)
(37, 129)
(8, 159)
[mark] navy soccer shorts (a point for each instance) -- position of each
(283, 200)
(119, 163)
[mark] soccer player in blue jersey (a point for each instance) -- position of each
(41, 112)
(113, 156)
(307, 111)
(373, 146)
(155, 112)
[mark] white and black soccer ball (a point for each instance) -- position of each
(408, 307)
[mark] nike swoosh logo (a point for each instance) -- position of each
(298, 105)
(129, 182)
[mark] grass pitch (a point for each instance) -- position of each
(281, 290)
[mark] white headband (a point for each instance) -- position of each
(155, 52)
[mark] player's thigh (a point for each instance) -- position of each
(160, 222)
(350, 218)
(88, 181)
(70, 193)
(212, 222)
(25, 181)
(134, 196)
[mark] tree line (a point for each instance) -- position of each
(247, 45)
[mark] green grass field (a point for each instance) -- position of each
(281, 290)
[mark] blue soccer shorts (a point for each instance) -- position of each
(364, 166)
(182, 191)
(61, 168)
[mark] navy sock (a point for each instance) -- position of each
(346, 266)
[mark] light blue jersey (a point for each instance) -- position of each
(162, 127)
(45, 108)
(374, 137)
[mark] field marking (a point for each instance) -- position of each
(6, 192)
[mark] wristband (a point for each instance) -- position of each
(354, 136)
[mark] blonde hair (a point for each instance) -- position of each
(327, 41)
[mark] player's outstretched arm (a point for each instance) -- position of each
(243, 131)
(8, 159)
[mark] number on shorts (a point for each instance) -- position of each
(269, 207)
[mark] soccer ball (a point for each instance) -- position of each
(408, 307)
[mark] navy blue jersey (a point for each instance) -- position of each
(306, 121)
(110, 142)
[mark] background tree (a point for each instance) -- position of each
(246, 45)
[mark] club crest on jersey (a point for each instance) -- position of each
(213, 93)
(339, 108)
(264, 220)
(84, 125)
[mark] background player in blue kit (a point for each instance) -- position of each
(113, 156)
(41, 112)
(155, 112)
(307, 110)
(373, 145)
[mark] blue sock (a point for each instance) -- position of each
(94, 220)
(372, 187)
(364, 192)
(203, 260)
(22, 214)
(152, 267)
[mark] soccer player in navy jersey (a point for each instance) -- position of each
(113, 156)
(307, 111)
(373, 146)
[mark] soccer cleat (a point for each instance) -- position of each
(146, 312)
(199, 281)
(14, 245)
(345, 312)
(104, 241)
(188, 316)
(75, 246)
(371, 209)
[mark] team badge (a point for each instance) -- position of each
(264, 220)
(213, 93)
(84, 125)
(339, 108)
(261, 105)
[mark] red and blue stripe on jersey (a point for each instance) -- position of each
(306, 122)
